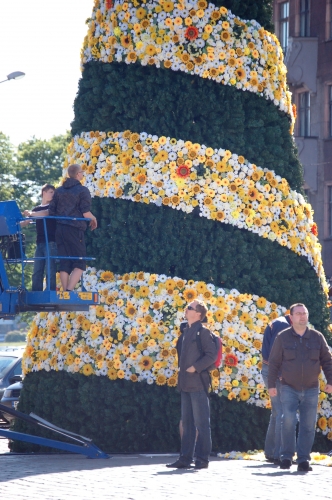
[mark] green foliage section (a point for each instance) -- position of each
(167, 241)
(40, 161)
(22, 174)
(121, 416)
(260, 10)
(8, 189)
(118, 97)
(15, 336)
(36, 162)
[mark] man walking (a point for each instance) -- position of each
(273, 435)
(298, 353)
(193, 383)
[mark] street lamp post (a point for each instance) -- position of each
(16, 75)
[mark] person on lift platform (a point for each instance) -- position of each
(70, 200)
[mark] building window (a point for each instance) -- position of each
(284, 25)
(304, 114)
(330, 211)
(305, 18)
(330, 110)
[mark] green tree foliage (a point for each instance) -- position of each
(22, 174)
(7, 168)
(40, 161)
(35, 162)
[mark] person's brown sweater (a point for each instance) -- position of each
(299, 359)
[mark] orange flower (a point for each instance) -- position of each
(191, 33)
(231, 360)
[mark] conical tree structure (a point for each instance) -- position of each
(183, 126)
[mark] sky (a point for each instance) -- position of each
(43, 39)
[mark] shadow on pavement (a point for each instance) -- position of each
(18, 466)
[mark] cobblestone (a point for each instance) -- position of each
(134, 477)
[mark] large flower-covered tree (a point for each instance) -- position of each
(183, 127)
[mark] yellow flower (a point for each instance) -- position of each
(161, 380)
(322, 423)
(140, 13)
(107, 276)
(130, 309)
(261, 302)
(87, 370)
(244, 394)
(172, 381)
(168, 6)
(145, 363)
(190, 294)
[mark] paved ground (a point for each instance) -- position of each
(134, 477)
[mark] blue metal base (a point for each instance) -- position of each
(88, 449)
(12, 301)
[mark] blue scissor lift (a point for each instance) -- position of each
(16, 299)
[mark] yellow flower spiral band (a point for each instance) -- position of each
(183, 175)
(197, 38)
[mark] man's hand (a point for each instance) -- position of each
(93, 224)
(273, 392)
(26, 213)
(191, 369)
(328, 388)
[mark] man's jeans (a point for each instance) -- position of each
(41, 264)
(195, 414)
(273, 435)
(305, 402)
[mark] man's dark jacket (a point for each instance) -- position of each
(71, 200)
(189, 355)
(270, 333)
(299, 359)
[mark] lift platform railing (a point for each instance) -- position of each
(48, 258)
(83, 445)
(16, 299)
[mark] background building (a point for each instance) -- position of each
(304, 28)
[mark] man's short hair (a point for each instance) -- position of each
(73, 169)
(47, 187)
(291, 309)
(201, 308)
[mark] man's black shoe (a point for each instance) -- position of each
(276, 461)
(201, 465)
(285, 464)
(304, 466)
(178, 465)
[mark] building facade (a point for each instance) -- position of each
(304, 28)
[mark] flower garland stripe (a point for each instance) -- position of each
(133, 332)
(224, 186)
(197, 38)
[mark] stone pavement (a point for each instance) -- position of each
(134, 477)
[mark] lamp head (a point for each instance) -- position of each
(16, 75)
